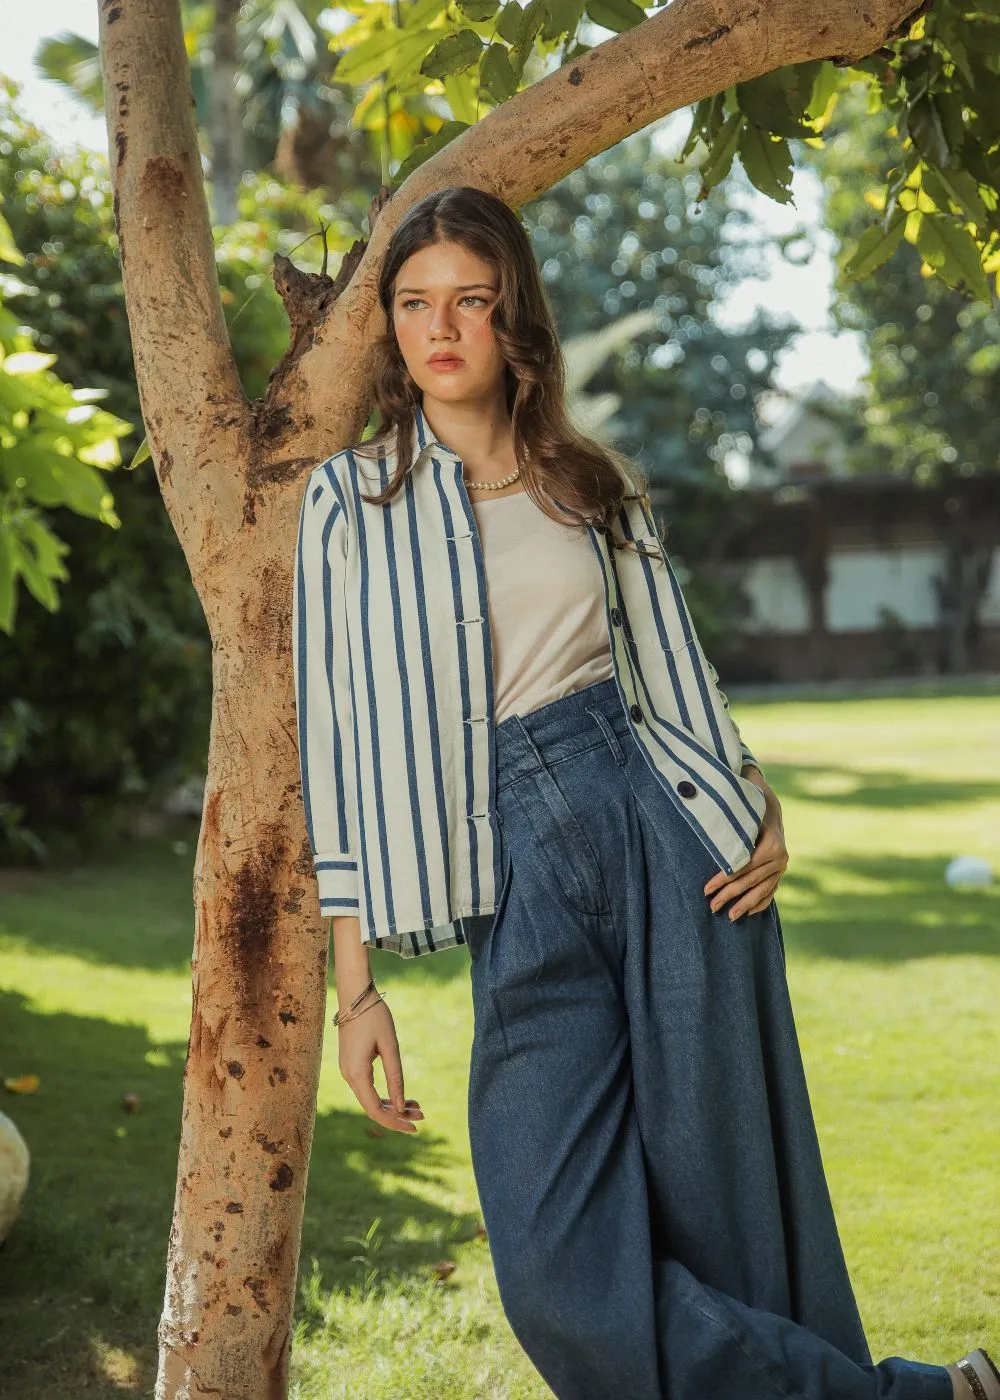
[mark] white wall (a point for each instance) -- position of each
(779, 601)
(861, 582)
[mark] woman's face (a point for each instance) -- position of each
(443, 301)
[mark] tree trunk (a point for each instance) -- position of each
(813, 563)
(232, 473)
(969, 544)
(226, 134)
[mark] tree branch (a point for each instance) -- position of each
(689, 50)
(193, 404)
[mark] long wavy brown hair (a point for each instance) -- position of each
(557, 463)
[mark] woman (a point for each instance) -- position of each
(546, 770)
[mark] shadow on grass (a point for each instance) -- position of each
(907, 912)
(138, 912)
(81, 1274)
(891, 790)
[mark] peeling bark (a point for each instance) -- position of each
(231, 476)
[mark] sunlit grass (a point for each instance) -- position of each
(895, 981)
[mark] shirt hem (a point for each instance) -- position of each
(401, 940)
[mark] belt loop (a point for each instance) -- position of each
(530, 741)
(610, 735)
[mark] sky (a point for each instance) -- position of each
(802, 293)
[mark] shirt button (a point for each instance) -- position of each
(616, 617)
(636, 712)
(686, 788)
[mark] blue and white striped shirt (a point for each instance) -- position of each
(394, 696)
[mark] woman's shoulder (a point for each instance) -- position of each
(337, 467)
(633, 479)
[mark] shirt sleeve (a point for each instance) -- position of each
(324, 711)
(745, 755)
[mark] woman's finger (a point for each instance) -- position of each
(392, 1065)
(745, 879)
(768, 849)
(377, 1108)
(361, 1077)
(755, 902)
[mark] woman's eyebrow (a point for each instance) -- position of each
(467, 288)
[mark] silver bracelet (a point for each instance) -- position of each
(341, 1016)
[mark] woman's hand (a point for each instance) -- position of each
(755, 882)
(362, 1038)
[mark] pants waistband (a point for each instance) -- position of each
(563, 727)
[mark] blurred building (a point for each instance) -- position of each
(854, 576)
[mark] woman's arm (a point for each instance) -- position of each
(325, 721)
(324, 711)
(370, 1035)
(756, 881)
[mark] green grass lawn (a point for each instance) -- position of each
(896, 985)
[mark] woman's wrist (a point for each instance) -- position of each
(772, 809)
(351, 958)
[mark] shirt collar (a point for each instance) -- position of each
(425, 437)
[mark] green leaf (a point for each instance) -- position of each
(409, 53)
(429, 147)
(453, 54)
(981, 164)
(368, 59)
(918, 74)
(496, 74)
(534, 17)
(9, 251)
(953, 253)
(949, 109)
(8, 579)
(617, 15)
(478, 11)
(923, 122)
(142, 454)
(958, 187)
(563, 17)
(510, 23)
(875, 247)
(38, 583)
(959, 55)
(720, 155)
(765, 102)
(984, 98)
(767, 162)
(49, 551)
(826, 84)
(799, 82)
(421, 13)
(700, 120)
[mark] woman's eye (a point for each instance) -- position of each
(414, 301)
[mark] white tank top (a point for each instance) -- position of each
(546, 605)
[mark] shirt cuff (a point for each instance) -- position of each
(337, 878)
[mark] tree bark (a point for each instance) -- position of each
(231, 474)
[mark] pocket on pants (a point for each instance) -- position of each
(559, 844)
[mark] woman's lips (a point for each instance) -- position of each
(446, 364)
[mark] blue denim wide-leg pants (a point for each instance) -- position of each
(642, 1138)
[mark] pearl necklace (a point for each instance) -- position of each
(494, 485)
